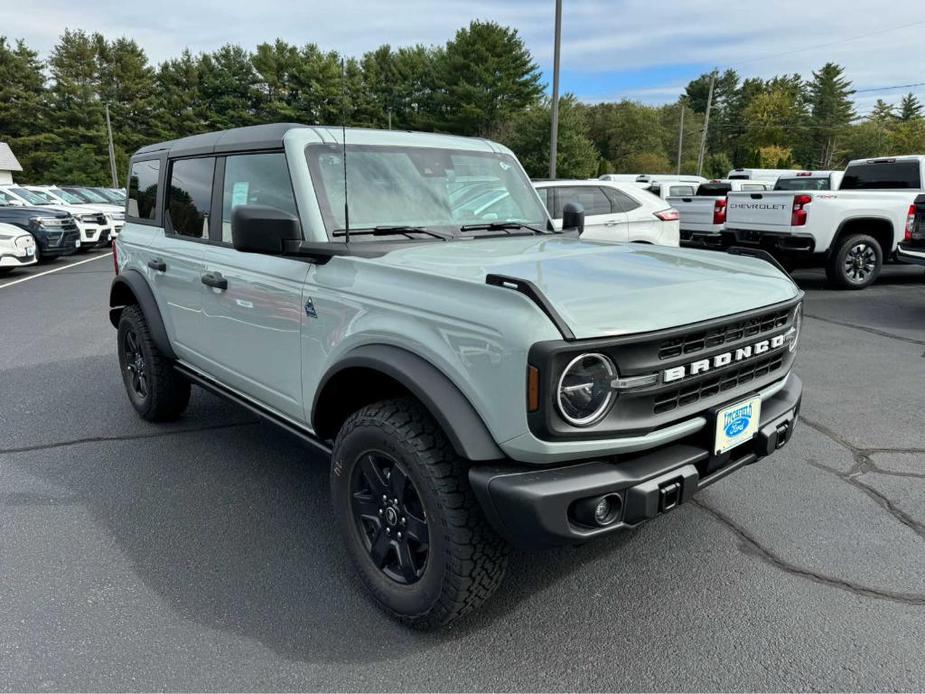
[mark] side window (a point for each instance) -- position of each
(620, 200)
(255, 179)
(189, 197)
(591, 198)
(142, 189)
(544, 196)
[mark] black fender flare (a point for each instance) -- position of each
(454, 413)
(131, 283)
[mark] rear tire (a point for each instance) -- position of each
(157, 392)
(409, 519)
(856, 263)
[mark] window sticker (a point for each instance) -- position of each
(239, 193)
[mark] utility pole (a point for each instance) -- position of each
(554, 137)
(680, 138)
(706, 124)
(112, 152)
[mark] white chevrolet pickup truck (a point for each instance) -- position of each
(850, 231)
(703, 214)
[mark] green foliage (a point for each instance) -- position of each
(482, 82)
(486, 75)
(528, 134)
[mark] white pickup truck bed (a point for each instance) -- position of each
(703, 215)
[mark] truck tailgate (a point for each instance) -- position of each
(766, 210)
(695, 212)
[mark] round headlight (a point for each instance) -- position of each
(797, 324)
(585, 390)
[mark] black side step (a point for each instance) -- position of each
(257, 409)
(757, 253)
(532, 292)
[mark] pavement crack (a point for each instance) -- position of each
(863, 465)
(126, 437)
(866, 329)
(778, 562)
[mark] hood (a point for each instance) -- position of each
(603, 289)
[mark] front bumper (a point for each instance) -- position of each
(534, 507)
(911, 254)
(17, 259)
(93, 235)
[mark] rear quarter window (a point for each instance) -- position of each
(142, 190)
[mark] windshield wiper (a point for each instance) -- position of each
(391, 230)
(501, 226)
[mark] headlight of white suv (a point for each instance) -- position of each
(585, 389)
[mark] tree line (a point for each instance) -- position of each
(482, 82)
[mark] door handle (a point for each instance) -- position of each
(611, 224)
(157, 264)
(214, 279)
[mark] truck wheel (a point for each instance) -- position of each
(411, 523)
(156, 391)
(856, 262)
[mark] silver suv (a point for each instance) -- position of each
(402, 302)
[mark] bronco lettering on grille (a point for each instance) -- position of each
(676, 373)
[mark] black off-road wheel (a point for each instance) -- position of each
(156, 391)
(409, 519)
(856, 263)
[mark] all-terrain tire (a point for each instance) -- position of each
(465, 559)
(165, 393)
(856, 263)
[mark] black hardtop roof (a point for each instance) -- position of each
(252, 137)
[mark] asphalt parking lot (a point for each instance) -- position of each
(202, 555)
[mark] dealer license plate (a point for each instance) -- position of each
(737, 424)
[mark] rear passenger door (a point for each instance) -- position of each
(175, 265)
(253, 306)
(640, 219)
(603, 221)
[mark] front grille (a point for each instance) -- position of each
(716, 337)
(722, 381)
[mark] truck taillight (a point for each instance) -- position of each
(910, 222)
(115, 259)
(719, 211)
(798, 217)
(669, 215)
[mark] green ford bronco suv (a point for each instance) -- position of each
(401, 301)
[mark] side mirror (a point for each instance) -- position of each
(573, 217)
(259, 229)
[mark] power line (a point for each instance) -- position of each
(895, 86)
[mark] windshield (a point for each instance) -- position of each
(69, 198)
(110, 195)
(804, 183)
(32, 197)
(87, 195)
(437, 189)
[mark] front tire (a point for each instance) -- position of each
(856, 263)
(156, 391)
(409, 519)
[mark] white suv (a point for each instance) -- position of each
(17, 248)
(613, 211)
(115, 215)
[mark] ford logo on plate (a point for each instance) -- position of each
(737, 421)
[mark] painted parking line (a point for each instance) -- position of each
(57, 269)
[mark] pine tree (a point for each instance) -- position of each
(76, 113)
(882, 112)
(909, 108)
(22, 92)
(180, 110)
(832, 111)
(485, 74)
(228, 88)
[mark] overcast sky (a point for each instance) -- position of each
(640, 49)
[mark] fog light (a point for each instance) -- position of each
(598, 510)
